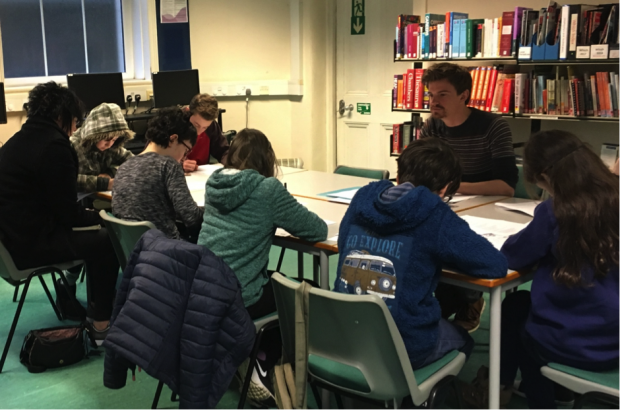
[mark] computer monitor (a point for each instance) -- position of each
(94, 89)
(175, 87)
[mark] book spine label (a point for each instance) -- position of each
(418, 91)
(409, 96)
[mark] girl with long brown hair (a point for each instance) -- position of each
(571, 314)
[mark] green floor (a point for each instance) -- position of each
(81, 385)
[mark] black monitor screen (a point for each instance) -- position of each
(94, 89)
(175, 87)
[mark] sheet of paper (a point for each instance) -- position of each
(524, 207)
(333, 238)
(348, 194)
(195, 184)
(207, 170)
(173, 11)
(458, 198)
(495, 231)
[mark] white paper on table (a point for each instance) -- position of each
(207, 169)
(195, 184)
(458, 198)
(198, 196)
(495, 231)
(525, 207)
(333, 238)
(348, 194)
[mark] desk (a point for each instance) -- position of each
(495, 288)
(310, 184)
(475, 202)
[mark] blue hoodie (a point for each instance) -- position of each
(396, 250)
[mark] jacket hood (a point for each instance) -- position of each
(228, 188)
(403, 214)
(104, 121)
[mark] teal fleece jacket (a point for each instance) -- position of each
(243, 209)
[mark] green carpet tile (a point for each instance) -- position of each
(81, 385)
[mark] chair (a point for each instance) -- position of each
(355, 349)
(591, 385)
(124, 234)
(363, 172)
(14, 276)
(262, 325)
(524, 188)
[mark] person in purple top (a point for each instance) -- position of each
(571, 314)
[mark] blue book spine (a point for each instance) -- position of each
(463, 39)
(454, 15)
(456, 40)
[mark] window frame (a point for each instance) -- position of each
(136, 35)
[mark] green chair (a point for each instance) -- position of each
(124, 234)
(15, 277)
(355, 348)
(591, 385)
(362, 172)
(524, 188)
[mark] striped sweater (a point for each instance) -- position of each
(483, 143)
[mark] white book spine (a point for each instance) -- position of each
(488, 34)
(564, 32)
(520, 92)
(494, 40)
(440, 39)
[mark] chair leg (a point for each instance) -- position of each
(16, 292)
(280, 259)
(49, 296)
(248, 375)
(300, 265)
(15, 319)
(434, 395)
(317, 395)
(157, 394)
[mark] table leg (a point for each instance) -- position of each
(316, 266)
(300, 265)
(324, 270)
(495, 335)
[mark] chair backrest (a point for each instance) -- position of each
(362, 172)
(284, 294)
(124, 235)
(8, 270)
(523, 188)
(354, 345)
(291, 162)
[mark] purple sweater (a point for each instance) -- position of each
(580, 323)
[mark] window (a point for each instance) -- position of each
(52, 38)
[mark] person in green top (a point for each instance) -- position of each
(244, 205)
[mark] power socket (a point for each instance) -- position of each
(241, 89)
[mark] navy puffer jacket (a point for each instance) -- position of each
(178, 315)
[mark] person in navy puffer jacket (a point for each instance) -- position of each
(179, 315)
(394, 241)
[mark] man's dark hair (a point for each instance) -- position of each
(55, 102)
(456, 75)
(432, 163)
(170, 121)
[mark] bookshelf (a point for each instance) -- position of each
(543, 46)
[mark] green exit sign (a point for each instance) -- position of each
(363, 108)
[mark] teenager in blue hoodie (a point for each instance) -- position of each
(394, 241)
(571, 315)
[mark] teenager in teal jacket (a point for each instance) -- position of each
(244, 205)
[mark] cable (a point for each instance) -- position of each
(129, 99)
(248, 92)
(138, 98)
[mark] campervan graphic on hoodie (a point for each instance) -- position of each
(393, 243)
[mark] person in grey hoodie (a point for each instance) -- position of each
(99, 147)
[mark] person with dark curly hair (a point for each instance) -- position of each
(151, 186)
(38, 204)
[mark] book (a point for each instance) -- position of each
(463, 39)
(499, 91)
(399, 98)
(595, 102)
(454, 15)
(440, 40)
(456, 38)
(409, 95)
(506, 105)
(395, 91)
(418, 89)
(517, 26)
(564, 38)
(396, 138)
(427, 99)
(492, 84)
(429, 20)
(482, 88)
(506, 34)
(520, 93)
(407, 132)
(474, 85)
(551, 106)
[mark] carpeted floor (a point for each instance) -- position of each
(81, 385)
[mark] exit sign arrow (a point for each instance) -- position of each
(358, 25)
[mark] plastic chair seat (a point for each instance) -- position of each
(362, 172)
(583, 381)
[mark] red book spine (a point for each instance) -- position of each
(409, 95)
(505, 47)
(395, 139)
(404, 94)
(491, 93)
(418, 89)
(507, 95)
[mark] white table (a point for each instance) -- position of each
(312, 183)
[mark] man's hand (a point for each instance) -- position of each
(110, 184)
(189, 165)
(494, 187)
(616, 168)
(104, 176)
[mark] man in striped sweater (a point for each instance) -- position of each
(483, 142)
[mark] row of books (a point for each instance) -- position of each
(403, 134)
(455, 35)
(490, 92)
(580, 95)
